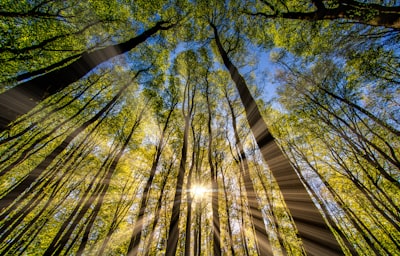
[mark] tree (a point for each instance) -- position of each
(285, 175)
(188, 107)
(262, 239)
(26, 183)
(137, 230)
(33, 91)
(352, 11)
(145, 127)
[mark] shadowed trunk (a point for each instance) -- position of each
(262, 239)
(137, 230)
(214, 182)
(26, 182)
(173, 233)
(158, 208)
(25, 96)
(315, 234)
(350, 10)
(104, 185)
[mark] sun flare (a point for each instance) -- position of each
(199, 191)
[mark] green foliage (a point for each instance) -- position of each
(336, 116)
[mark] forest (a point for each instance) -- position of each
(200, 127)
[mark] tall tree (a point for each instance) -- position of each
(188, 106)
(77, 177)
(297, 199)
(353, 11)
(137, 230)
(31, 92)
(214, 176)
(26, 182)
(262, 238)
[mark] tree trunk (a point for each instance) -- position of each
(173, 232)
(158, 209)
(195, 159)
(315, 234)
(353, 11)
(32, 149)
(119, 214)
(228, 214)
(269, 196)
(137, 230)
(262, 239)
(26, 182)
(13, 219)
(105, 184)
(22, 98)
(214, 182)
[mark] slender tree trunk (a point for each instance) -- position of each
(315, 234)
(26, 182)
(371, 240)
(137, 230)
(106, 183)
(158, 209)
(195, 157)
(89, 195)
(199, 226)
(121, 211)
(198, 208)
(242, 220)
(269, 196)
(187, 112)
(325, 209)
(11, 223)
(214, 182)
(262, 239)
(25, 96)
(228, 214)
(173, 232)
(33, 148)
(189, 214)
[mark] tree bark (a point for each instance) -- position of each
(315, 234)
(214, 182)
(158, 208)
(105, 184)
(24, 97)
(137, 230)
(353, 11)
(26, 182)
(228, 214)
(262, 239)
(173, 233)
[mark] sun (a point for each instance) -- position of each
(199, 191)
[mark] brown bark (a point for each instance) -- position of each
(315, 234)
(137, 230)
(262, 239)
(26, 182)
(214, 182)
(353, 11)
(25, 96)
(187, 110)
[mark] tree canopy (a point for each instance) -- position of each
(261, 127)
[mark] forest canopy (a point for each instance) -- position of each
(260, 127)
